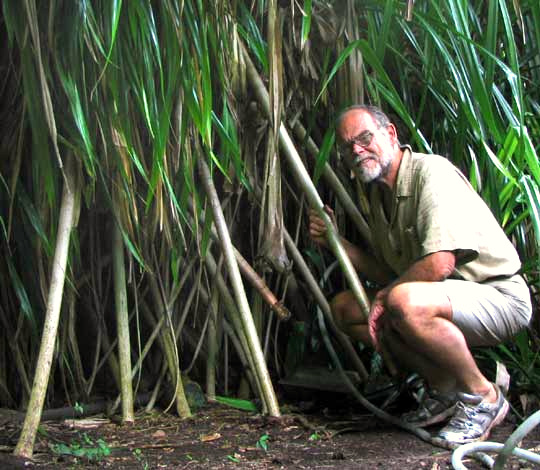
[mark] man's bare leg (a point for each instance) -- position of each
(421, 314)
(436, 377)
(350, 320)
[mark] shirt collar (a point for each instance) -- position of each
(405, 173)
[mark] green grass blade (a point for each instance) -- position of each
(306, 22)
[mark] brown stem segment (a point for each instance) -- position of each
(258, 283)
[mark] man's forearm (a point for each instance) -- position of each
(434, 267)
(366, 264)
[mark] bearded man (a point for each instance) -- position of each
(448, 275)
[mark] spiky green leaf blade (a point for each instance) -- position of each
(238, 403)
(306, 22)
(324, 153)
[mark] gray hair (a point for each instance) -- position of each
(376, 113)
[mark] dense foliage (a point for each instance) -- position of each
(131, 95)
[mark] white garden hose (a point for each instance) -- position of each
(504, 451)
(476, 448)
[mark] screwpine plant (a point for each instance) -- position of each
(132, 128)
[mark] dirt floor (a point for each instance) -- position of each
(220, 437)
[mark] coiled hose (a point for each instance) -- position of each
(419, 432)
(504, 451)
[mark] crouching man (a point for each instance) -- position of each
(449, 271)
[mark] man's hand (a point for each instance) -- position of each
(317, 227)
(376, 317)
(362, 261)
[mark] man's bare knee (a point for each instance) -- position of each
(338, 306)
(416, 304)
(399, 303)
(345, 310)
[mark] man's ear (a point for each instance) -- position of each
(392, 132)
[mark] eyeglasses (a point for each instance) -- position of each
(363, 140)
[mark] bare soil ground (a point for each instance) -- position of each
(219, 437)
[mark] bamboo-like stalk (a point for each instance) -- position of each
(139, 362)
(103, 343)
(239, 344)
(254, 279)
(269, 396)
(235, 318)
(182, 405)
(225, 361)
(249, 379)
(335, 184)
(188, 300)
(62, 365)
(317, 293)
(157, 388)
(275, 66)
(74, 345)
(168, 345)
(270, 246)
(200, 341)
(122, 326)
(95, 362)
(26, 440)
(350, 85)
(107, 351)
(211, 337)
(304, 180)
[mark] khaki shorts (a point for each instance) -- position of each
(491, 312)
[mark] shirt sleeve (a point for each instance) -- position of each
(444, 199)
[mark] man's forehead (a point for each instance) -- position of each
(355, 122)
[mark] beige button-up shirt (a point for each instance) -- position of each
(434, 208)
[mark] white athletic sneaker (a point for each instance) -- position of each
(473, 419)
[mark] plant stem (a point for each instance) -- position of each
(168, 346)
(317, 293)
(25, 444)
(122, 326)
(233, 315)
(212, 347)
(335, 184)
(308, 187)
(254, 279)
(261, 370)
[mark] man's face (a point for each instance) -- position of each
(368, 149)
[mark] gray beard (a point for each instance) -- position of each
(376, 172)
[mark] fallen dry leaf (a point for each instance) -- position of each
(159, 434)
(210, 437)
